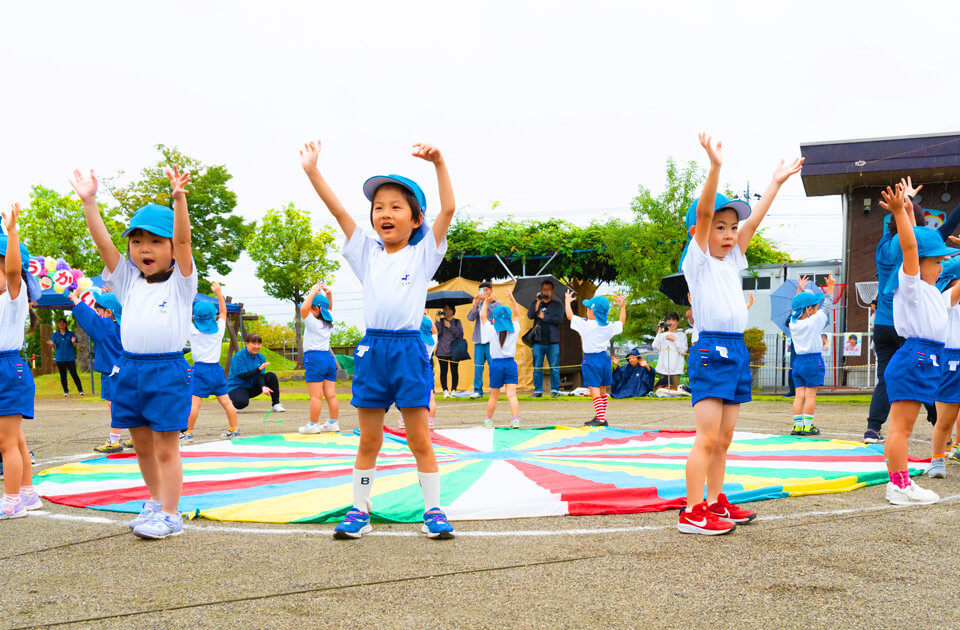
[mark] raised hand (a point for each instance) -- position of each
(892, 199)
(327, 292)
(10, 219)
(908, 188)
(215, 287)
(619, 300)
(309, 154)
(178, 182)
(784, 171)
(616, 360)
(751, 300)
(713, 150)
(86, 186)
(568, 297)
(511, 296)
(75, 296)
(802, 283)
(427, 152)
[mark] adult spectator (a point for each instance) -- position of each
(633, 379)
(546, 314)
(481, 351)
(672, 346)
(249, 377)
(64, 342)
(449, 329)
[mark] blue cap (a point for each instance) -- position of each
(109, 301)
(24, 254)
(502, 318)
(426, 331)
(205, 316)
(804, 300)
(152, 218)
(929, 245)
(324, 304)
(886, 223)
(600, 307)
(370, 190)
(949, 273)
(721, 203)
(635, 352)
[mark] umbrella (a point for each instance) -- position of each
(527, 287)
(675, 287)
(454, 298)
(781, 300)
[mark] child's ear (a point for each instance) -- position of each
(693, 228)
(417, 222)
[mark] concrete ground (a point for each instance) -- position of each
(813, 562)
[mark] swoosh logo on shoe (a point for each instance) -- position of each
(697, 523)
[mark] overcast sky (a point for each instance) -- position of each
(551, 108)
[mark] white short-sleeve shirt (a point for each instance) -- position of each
(953, 321)
(593, 336)
(156, 316)
(394, 285)
(13, 315)
(206, 347)
(918, 309)
(316, 333)
(805, 333)
(716, 291)
(489, 334)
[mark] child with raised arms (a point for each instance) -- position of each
(948, 390)
(155, 284)
(500, 329)
(807, 320)
(719, 365)
(320, 365)
(209, 379)
(391, 363)
(16, 381)
(102, 324)
(919, 315)
(595, 335)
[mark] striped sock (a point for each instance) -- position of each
(807, 421)
(598, 410)
(938, 456)
(602, 416)
(797, 422)
(900, 479)
(114, 437)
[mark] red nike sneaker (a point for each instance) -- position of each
(727, 511)
(700, 520)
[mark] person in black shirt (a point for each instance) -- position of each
(546, 315)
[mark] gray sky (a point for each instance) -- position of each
(552, 108)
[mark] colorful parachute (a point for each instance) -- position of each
(487, 474)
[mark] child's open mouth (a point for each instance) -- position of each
(386, 225)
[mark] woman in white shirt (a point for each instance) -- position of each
(672, 346)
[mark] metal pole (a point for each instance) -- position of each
(509, 273)
(547, 263)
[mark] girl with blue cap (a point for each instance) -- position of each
(948, 390)
(320, 365)
(155, 283)
(391, 364)
(595, 335)
(920, 315)
(500, 328)
(16, 381)
(209, 379)
(806, 322)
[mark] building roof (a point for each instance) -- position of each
(833, 167)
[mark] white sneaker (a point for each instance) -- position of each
(446, 393)
(474, 395)
(400, 423)
(488, 422)
(278, 408)
(330, 426)
(310, 428)
(515, 423)
(911, 495)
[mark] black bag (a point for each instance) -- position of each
(458, 350)
(528, 337)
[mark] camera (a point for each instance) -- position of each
(541, 296)
(440, 313)
(664, 327)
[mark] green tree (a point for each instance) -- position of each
(273, 335)
(291, 258)
(218, 234)
(344, 335)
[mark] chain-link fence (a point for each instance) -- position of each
(848, 359)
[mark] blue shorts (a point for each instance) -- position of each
(914, 371)
(596, 369)
(320, 366)
(107, 386)
(720, 368)
(431, 379)
(208, 380)
(948, 390)
(152, 390)
(808, 370)
(391, 369)
(16, 385)
(503, 372)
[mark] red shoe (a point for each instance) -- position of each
(727, 511)
(700, 520)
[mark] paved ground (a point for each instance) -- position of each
(812, 562)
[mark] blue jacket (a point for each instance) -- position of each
(105, 334)
(64, 346)
(631, 381)
(243, 369)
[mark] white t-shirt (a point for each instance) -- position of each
(206, 347)
(716, 292)
(13, 314)
(805, 333)
(671, 359)
(489, 334)
(156, 317)
(953, 321)
(918, 309)
(394, 285)
(316, 333)
(593, 336)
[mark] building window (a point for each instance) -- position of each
(760, 283)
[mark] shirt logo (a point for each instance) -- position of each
(163, 306)
(362, 350)
(405, 280)
(933, 358)
(953, 365)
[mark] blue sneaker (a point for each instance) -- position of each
(354, 525)
(146, 513)
(161, 525)
(435, 524)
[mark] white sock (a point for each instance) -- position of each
(362, 486)
(11, 498)
(28, 490)
(430, 486)
(114, 438)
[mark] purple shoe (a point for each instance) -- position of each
(12, 510)
(31, 501)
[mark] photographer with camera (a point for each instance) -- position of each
(672, 346)
(546, 314)
(449, 329)
(481, 351)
